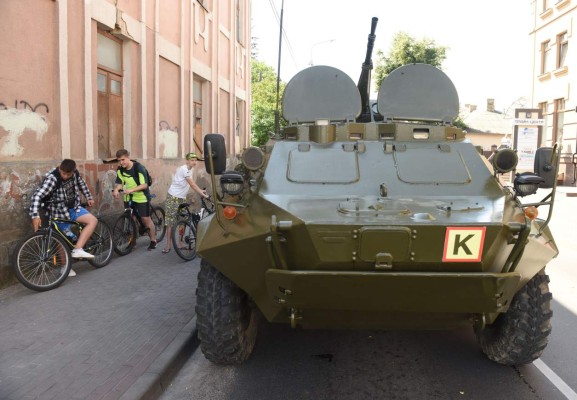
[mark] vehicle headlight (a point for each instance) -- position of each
(527, 183)
(231, 182)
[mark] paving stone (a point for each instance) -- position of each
(98, 333)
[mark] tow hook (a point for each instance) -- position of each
(479, 321)
(295, 317)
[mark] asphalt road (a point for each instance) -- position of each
(299, 364)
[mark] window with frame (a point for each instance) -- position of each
(197, 110)
(240, 21)
(562, 46)
(543, 107)
(558, 120)
(545, 5)
(109, 81)
(544, 56)
(239, 117)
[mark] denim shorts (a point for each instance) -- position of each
(63, 226)
(75, 215)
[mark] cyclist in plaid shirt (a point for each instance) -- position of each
(66, 191)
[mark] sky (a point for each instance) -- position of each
(489, 48)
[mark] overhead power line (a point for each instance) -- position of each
(284, 34)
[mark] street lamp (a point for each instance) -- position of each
(315, 44)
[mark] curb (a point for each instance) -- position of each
(151, 384)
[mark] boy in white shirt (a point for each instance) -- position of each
(182, 180)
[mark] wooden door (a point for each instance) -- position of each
(110, 114)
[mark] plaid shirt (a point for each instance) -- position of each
(59, 209)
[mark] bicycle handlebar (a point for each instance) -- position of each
(152, 195)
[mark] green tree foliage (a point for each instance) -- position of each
(407, 50)
(263, 80)
(459, 123)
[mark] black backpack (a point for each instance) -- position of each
(136, 168)
(56, 173)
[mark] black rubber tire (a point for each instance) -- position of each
(184, 240)
(520, 335)
(225, 318)
(158, 219)
(124, 235)
(38, 269)
(100, 245)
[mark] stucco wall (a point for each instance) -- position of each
(49, 98)
(19, 180)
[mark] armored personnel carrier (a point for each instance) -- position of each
(374, 216)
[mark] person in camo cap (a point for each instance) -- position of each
(182, 180)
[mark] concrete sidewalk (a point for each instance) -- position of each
(119, 332)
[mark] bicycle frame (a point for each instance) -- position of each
(132, 211)
(54, 228)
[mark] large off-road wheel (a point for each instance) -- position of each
(226, 319)
(520, 335)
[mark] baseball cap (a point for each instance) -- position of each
(192, 156)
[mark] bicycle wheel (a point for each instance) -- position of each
(41, 264)
(184, 240)
(157, 216)
(100, 245)
(124, 235)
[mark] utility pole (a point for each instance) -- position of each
(276, 115)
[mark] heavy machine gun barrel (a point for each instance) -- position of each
(364, 84)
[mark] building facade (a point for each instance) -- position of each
(82, 79)
(487, 126)
(554, 90)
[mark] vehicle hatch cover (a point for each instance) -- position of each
(321, 92)
(418, 92)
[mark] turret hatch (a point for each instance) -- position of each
(418, 92)
(321, 93)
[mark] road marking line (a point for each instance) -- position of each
(555, 380)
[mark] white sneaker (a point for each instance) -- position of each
(80, 253)
(72, 273)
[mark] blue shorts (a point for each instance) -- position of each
(75, 215)
(63, 226)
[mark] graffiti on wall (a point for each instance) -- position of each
(16, 121)
(18, 184)
(168, 139)
(106, 202)
(16, 187)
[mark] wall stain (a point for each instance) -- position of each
(168, 140)
(18, 120)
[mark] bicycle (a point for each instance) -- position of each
(43, 259)
(129, 224)
(184, 231)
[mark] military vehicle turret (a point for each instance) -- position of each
(382, 217)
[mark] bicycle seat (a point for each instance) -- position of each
(183, 205)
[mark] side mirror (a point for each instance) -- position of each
(217, 153)
(505, 160)
(544, 167)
